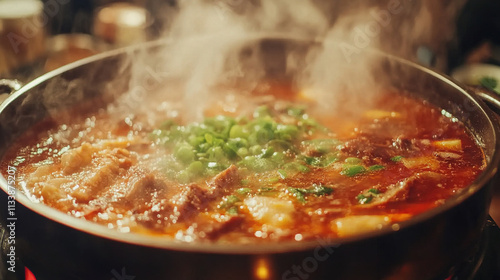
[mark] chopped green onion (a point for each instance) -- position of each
(303, 168)
(256, 150)
(243, 191)
(257, 164)
(298, 194)
(242, 152)
(267, 191)
(228, 201)
(209, 138)
(295, 111)
(317, 190)
(376, 167)
(183, 176)
(185, 154)
(367, 196)
(267, 152)
(259, 144)
(287, 132)
(195, 169)
(282, 173)
(233, 211)
(362, 199)
(261, 111)
(352, 170)
(320, 190)
(397, 158)
(374, 191)
(296, 167)
(312, 161)
(237, 131)
(322, 146)
(488, 82)
(274, 180)
(244, 182)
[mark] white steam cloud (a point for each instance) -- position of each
(325, 46)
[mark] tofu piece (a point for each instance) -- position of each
(421, 162)
(449, 145)
(380, 114)
(271, 211)
(352, 225)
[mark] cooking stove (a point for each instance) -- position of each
(484, 265)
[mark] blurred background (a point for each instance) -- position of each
(37, 36)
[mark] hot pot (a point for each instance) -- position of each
(432, 245)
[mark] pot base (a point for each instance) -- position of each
(484, 265)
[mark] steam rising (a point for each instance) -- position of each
(210, 39)
(324, 49)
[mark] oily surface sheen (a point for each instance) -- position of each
(280, 171)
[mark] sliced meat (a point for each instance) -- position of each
(190, 201)
(213, 229)
(194, 198)
(75, 159)
(144, 191)
(365, 147)
(109, 166)
(383, 148)
(401, 191)
(223, 181)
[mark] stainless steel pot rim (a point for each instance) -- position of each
(266, 247)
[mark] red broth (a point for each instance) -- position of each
(283, 172)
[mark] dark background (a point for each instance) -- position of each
(477, 26)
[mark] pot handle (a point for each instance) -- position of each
(7, 87)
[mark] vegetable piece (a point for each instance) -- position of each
(260, 144)
(489, 82)
(298, 193)
(322, 146)
(233, 211)
(195, 169)
(243, 191)
(362, 199)
(228, 202)
(374, 191)
(421, 162)
(245, 182)
(449, 144)
(237, 131)
(320, 190)
(367, 196)
(317, 190)
(352, 170)
(270, 211)
(258, 164)
(397, 158)
(352, 225)
(287, 132)
(282, 173)
(295, 111)
(376, 167)
(261, 111)
(292, 167)
(185, 154)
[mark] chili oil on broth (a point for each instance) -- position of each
(282, 171)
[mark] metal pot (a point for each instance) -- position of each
(432, 245)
